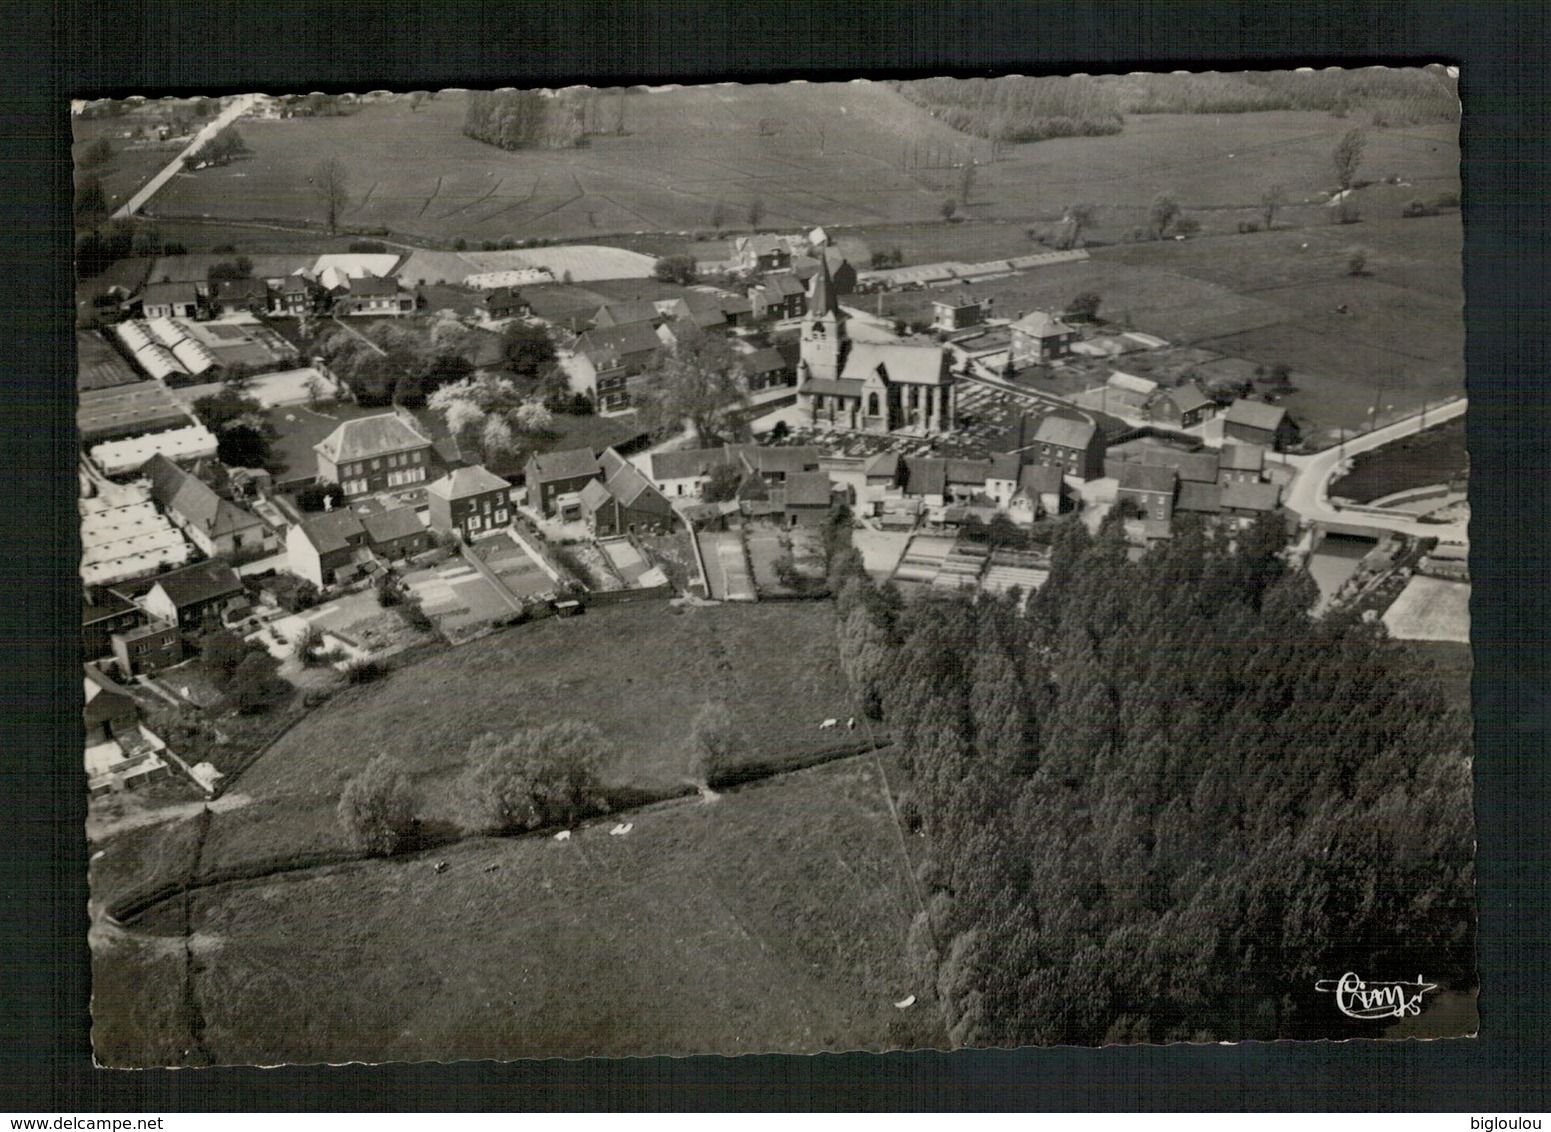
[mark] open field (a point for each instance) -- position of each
(772, 919)
(1432, 457)
(1431, 609)
(640, 671)
(829, 154)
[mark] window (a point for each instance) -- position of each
(872, 404)
(474, 523)
(500, 517)
(376, 465)
(355, 487)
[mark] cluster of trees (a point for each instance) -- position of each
(219, 150)
(678, 269)
(699, 381)
(244, 671)
(377, 808)
(1019, 108)
(243, 434)
(1165, 801)
(486, 414)
(99, 152)
(537, 776)
(1393, 96)
(523, 119)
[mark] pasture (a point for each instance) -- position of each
(639, 671)
(1431, 609)
(1427, 458)
(770, 920)
(843, 155)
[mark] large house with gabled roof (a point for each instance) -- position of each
(553, 475)
(623, 500)
(470, 501)
(1073, 444)
(376, 453)
(1256, 422)
(607, 363)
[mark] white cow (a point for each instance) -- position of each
(827, 724)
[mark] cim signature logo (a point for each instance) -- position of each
(1393, 998)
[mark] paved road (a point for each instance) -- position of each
(1308, 494)
(238, 107)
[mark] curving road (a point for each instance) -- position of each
(1308, 494)
(238, 107)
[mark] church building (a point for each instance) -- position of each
(874, 387)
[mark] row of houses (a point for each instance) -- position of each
(1228, 482)
(288, 296)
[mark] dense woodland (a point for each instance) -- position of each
(524, 119)
(1165, 802)
(1021, 108)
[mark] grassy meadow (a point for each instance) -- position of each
(771, 920)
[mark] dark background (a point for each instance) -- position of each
(83, 48)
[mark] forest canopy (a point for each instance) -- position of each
(1165, 802)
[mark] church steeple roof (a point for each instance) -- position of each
(823, 301)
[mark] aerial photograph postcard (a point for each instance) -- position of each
(790, 568)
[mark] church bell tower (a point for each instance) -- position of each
(824, 341)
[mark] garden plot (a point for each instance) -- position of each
(1431, 609)
(514, 566)
(923, 558)
(726, 571)
(457, 597)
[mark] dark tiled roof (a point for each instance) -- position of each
(390, 526)
(901, 361)
(1256, 414)
(572, 463)
(204, 581)
(1250, 496)
(333, 531)
(688, 462)
(619, 341)
(1064, 432)
(1147, 477)
(1200, 467)
(808, 489)
(767, 360)
(1040, 479)
(1188, 398)
(926, 475)
(1242, 458)
(884, 464)
(1202, 497)
(968, 471)
(797, 458)
(177, 491)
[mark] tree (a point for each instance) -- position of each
(528, 350)
(331, 184)
(1348, 155)
(1357, 262)
(537, 776)
(1084, 306)
(948, 208)
(1187, 226)
(714, 738)
(1347, 211)
(722, 484)
(1274, 197)
(90, 203)
(718, 215)
(254, 685)
(221, 653)
(1076, 218)
(227, 407)
(678, 269)
(698, 381)
(532, 417)
(756, 212)
(239, 268)
(99, 152)
(1163, 212)
(242, 446)
(496, 439)
(377, 808)
(1280, 376)
(966, 181)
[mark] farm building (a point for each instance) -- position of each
(123, 536)
(1256, 422)
(396, 533)
(329, 548)
(217, 526)
(553, 475)
(683, 474)
(120, 753)
(779, 296)
(1183, 406)
(624, 313)
(372, 296)
(504, 302)
(761, 253)
(768, 369)
(170, 300)
(147, 648)
(1242, 463)
(184, 596)
(1125, 392)
(624, 500)
(233, 296)
(469, 501)
(807, 498)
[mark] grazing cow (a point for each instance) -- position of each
(827, 724)
(851, 724)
